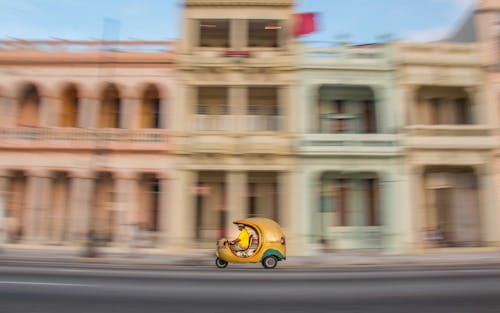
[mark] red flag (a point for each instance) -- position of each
(305, 23)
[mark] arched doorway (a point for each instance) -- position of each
(109, 116)
(29, 106)
(149, 113)
(69, 107)
(346, 109)
(452, 212)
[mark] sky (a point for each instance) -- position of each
(355, 21)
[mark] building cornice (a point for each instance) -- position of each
(239, 2)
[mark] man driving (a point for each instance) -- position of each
(240, 243)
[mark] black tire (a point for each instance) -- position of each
(220, 263)
(270, 262)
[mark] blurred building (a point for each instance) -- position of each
(235, 155)
(349, 148)
(84, 139)
(385, 147)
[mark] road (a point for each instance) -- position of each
(30, 289)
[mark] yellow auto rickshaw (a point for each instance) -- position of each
(266, 244)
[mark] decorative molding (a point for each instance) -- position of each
(239, 2)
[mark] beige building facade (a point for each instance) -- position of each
(234, 156)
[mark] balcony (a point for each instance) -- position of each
(449, 137)
(349, 145)
(371, 56)
(85, 52)
(236, 123)
(236, 134)
(84, 139)
(463, 54)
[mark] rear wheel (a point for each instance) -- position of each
(270, 262)
(220, 263)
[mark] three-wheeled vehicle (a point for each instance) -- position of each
(266, 244)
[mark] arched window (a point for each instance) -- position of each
(69, 109)
(150, 108)
(29, 103)
(109, 116)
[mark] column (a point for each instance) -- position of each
(289, 209)
(236, 199)
(37, 206)
(416, 197)
(238, 102)
(238, 34)
(129, 113)
(489, 216)
(181, 220)
(3, 207)
(166, 205)
(88, 112)
(186, 109)
(9, 108)
(409, 112)
(125, 207)
(82, 191)
(479, 107)
(307, 222)
(393, 210)
(286, 108)
(46, 111)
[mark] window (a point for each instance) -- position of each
(150, 108)
(264, 33)
(212, 101)
(214, 33)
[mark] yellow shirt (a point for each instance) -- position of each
(244, 238)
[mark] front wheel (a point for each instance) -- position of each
(220, 263)
(270, 262)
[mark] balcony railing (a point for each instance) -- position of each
(234, 123)
(86, 46)
(448, 130)
(78, 138)
(349, 144)
(346, 52)
(257, 123)
(207, 122)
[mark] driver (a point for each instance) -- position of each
(240, 243)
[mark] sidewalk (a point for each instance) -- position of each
(13, 254)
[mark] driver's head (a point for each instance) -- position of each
(241, 226)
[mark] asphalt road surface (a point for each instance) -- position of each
(30, 289)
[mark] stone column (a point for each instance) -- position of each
(236, 199)
(307, 216)
(181, 220)
(289, 209)
(88, 110)
(47, 115)
(8, 107)
(129, 114)
(489, 216)
(125, 207)
(238, 34)
(409, 110)
(3, 207)
(238, 102)
(416, 197)
(393, 211)
(479, 107)
(166, 205)
(38, 196)
(186, 110)
(286, 108)
(81, 203)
